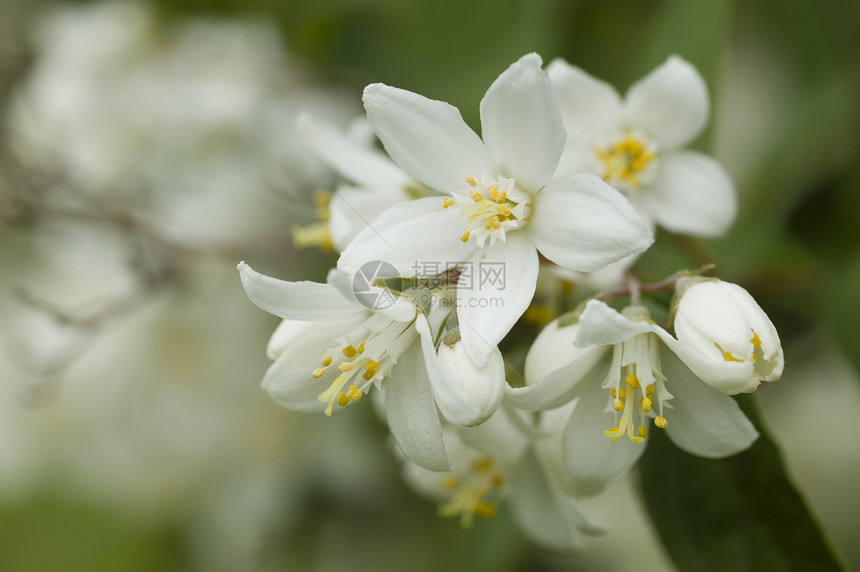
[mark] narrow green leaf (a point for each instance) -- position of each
(740, 513)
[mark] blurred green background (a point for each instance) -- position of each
(292, 492)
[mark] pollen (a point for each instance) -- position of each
(318, 373)
(353, 393)
(625, 160)
(326, 360)
(475, 196)
(342, 399)
(632, 381)
(646, 404)
(485, 509)
(447, 202)
(642, 431)
(617, 405)
(349, 352)
(465, 236)
(471, 181)
(345, 366)
(368, 375)
(660, 422)
(492, 223)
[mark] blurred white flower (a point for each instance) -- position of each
(504, 204)
(636, 144)
(723, 325)
(373, 181)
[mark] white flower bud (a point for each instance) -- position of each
(552, 349)
(729, 341)
(484, 386)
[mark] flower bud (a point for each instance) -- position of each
(551, 350)
(728, 340)
(484, 386)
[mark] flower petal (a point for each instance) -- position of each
(590, 457)
(356, 162)
(351, 210)
(600, 325)
(287, 332)
(586, 103)
(428, 138)
(692, 194)
(294, 300)
(450, 397)
(489, 304)
(406, 235)
(411, 412)
(703, 421)
(289, 380)
(521, 124)
(582, 223)
(670, 103)
(545, 516)
(562, 385)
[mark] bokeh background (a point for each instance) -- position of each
(146, 148)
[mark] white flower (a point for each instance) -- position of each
(636, 143)
(502, 204)
(498, 462)
(625, 371)
(484, 386)
(723, 325)
(331, 350)
(374, 182)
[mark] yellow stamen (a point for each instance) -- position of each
(475, 196)
(349, 352)
(371, 364)
(642, 432)
(345, 366)
(318, 373)
(485, 509)
(632, 381)
(368, 375)
(446, 202)
(326, 360)
(360, 347)
(450, 483)
(342, 399)
(471, 181)
(482, 465)
(465, 237)
(617, 405)
(353, 393)
(492, 223)
(756, 341)
(646, 404)
(660, 422)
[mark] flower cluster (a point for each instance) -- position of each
(442, 248)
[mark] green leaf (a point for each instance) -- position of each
(740, 513)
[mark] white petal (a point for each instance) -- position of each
(582, 223)
(601, 325)
(294, 300)
(287, 332)
(289, 380)
(670, 103)
(351, 210)
(412, 413)
(427, 138)
(562, 385)
(407, 235)
(692, 194)
(450, 396)
(590, 457)
(587, 104)
(553, 348)
(483, 386)
(490, 303)
(546, 517)
(356, 162)
(521, 124)
(703, 421)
